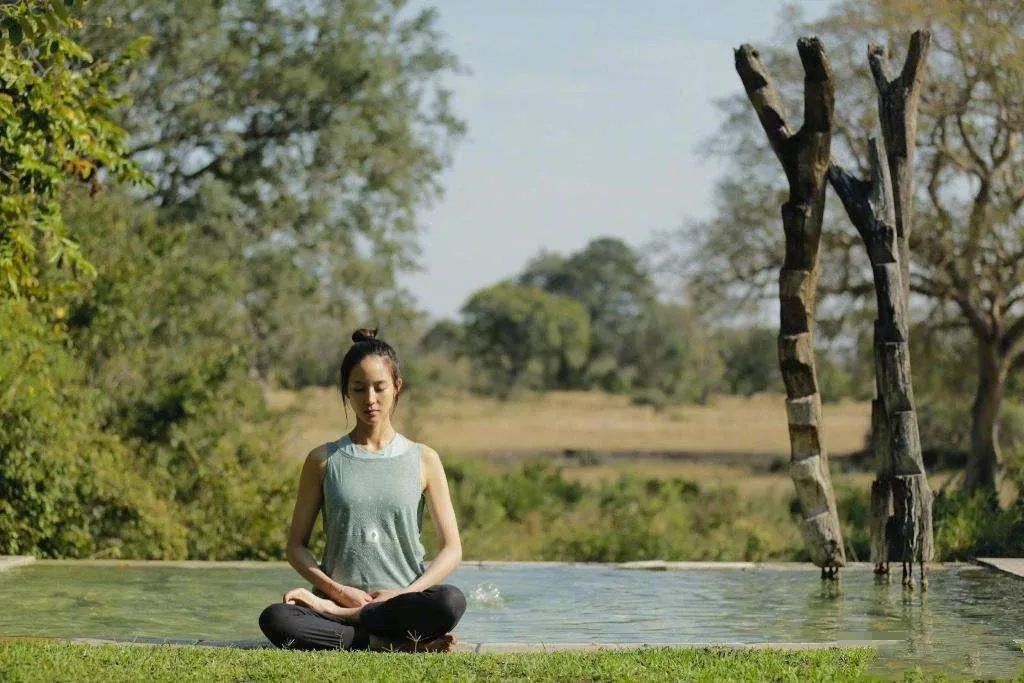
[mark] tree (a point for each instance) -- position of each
(67, 487)
(523, 337)
(303, 135)
(612, 284)
(677, 355)
(750, 360)
(967, 251)
(162, 335)
(56, 128)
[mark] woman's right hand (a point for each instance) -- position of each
(349, 596)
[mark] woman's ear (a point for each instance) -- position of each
(399, 384)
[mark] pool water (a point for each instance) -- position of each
(966, 624)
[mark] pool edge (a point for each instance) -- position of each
(641, 565)
(484, 647)
(1014, 566)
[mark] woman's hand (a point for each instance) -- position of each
(385, 594)
(302, 596)
(349, 596)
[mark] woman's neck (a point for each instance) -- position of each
(372, 438)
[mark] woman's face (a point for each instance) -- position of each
(371, 390)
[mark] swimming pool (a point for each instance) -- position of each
(965, 624)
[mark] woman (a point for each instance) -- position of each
(372, 589)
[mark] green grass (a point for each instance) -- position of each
(56, 661)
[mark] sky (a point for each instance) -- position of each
(584, 120)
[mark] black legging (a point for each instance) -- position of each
(421, 615)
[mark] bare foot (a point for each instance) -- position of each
(445, 643)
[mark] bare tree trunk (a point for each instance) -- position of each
(986, 458)
(804, 156)
(900, 495)
(897, 113)
(901, 525)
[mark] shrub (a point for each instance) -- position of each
(67, 488)
(969, 526)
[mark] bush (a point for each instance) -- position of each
(970, 526)
(67, 488)
(533, 513)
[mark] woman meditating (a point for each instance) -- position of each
(372, 589)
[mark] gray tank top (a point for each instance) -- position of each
(373, 514)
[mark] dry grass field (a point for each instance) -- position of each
(733, 440)
(582, 421)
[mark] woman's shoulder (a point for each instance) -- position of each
(322, 453)
(427, 454)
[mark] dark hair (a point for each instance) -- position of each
(365, 343)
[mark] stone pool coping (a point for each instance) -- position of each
(1010, 565)
(480, 648)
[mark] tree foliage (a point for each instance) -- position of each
(132, 339)
(55, 128)
(523, 337)
(67, 487)
(612, 284)
(303, 135)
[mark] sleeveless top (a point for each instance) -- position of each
(373, 514)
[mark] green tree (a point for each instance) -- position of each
(67, 487)
(304, 135)
(750, 359)
(55, 128)
(164, 336)
(967, 251)
(614, 287)
(676, 356)
(523, 337)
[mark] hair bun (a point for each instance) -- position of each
(364, 334)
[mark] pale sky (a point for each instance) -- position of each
(584, 118)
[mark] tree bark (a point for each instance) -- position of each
(986, 457)
(882, 211)
(901, 500)
(804, 156)
(897, 113)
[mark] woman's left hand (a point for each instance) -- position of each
(384, 594)
(302, 596)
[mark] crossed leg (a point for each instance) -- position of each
(417, 621)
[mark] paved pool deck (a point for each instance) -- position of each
(1009, 565)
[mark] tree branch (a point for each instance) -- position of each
(1013, 337)
(819, 91)
(764, 96)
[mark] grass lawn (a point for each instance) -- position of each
(49, 661)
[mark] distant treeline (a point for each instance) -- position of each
(594, 320)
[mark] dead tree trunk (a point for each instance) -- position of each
(804, 156)
(897, 112)
(901, 501)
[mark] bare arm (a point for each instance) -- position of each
(307, 507)
(443, 513)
